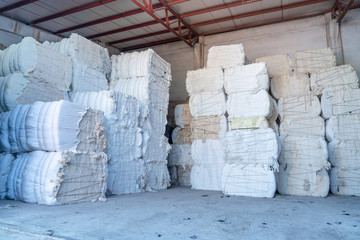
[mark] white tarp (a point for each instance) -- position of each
(303, 127)
(290, 85)
(310, 61)
(277, 65)
(345, 181)
(205, 80)
(250, 181)
(226, 56)
(207, 103)
(246, 78)
(5, 167)
(306, 106)
(344, 127)
(208, 127)
(333, 79)
(182, 115)
(344, 153)
(340, 102)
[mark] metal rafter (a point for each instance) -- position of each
(150, 44)
(339, 11)
(16, 5)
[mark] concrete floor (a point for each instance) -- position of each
(182, 213)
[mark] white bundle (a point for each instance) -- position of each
(180, 154)
(53, 178)
(247, 180)
(310, 61)
(209, 127)
(303, 127)
(248, 123)
(180, 175)
(88, 79)
(252, 147)
(345, 181)
(207, 103)
(181, 135)
(205, 80)
(333, 79)
(343, 127)
(306, 106)
(157, 176)
(248, 78)
(344, 153)
(182, 115)
(248, 105)
(277, 65)
(290, 85)
(5, 167)
(226, 56)
(340, 102)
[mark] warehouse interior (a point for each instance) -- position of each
(179, 119)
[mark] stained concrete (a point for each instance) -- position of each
(182, 213)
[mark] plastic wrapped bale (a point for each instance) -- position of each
(277, 65)
(290, 85)
(344, 153)
(306, 106)
(248, 123)
(333, 79)
(345, 181)
(248, 105)
(248, 78)
(53, 178)
(303, 164)
(180, 175)
(343, 127)
(181, 135)
(303, 127)
(247, 180)
(226, 56)
(310, 61)
(209, 161)
(51, 126)
(5, 167)
(182, 115)
(180, 164)
(205, 80)
(207, 103)
(208, 127)
(340, 102)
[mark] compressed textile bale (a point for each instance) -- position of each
(5, 167)
(248, 78)
(181, 135)
(252, 147)
(157, 177)
(180, 175)
(345, 181)
(226, 56)
(88, 79)
(277, 65)
(303, 127)
(53, 178)
(310, 61)
(206, 177)
(248, 105)
(343, 127)
(344, 153)
(207, 103)
(180, 154)
(333, 79)
(205, 80)
(340, 102)
(209, 152)
(182, 115)
(306, 106)
(248, 123)
(246, 180)
(290, 85)
(302, 181)
(210, 127)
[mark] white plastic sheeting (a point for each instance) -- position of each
(5, 167)
(310, 61)
(247, 180)
(53, 178)
(205, 80)
(345, 181)
(207, 103)
(277, 65)
(339, 102)
(335, 78)
(343, 127)
(344, 153)
(303, 127)
(182, 115)
(226, 56)
(248, 78)
(208, 127)
(295, 84)
(306, 106)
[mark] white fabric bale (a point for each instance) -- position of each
(345, 181)
(157, 176)
(226, 56)
(333, 79)
(277, 65)
(5, 167)
(248, 105)
(180, 175)
(302, 181)
(343, 127)
(207, 103)
(53, 178)
(290, 85)
(181, 135)
(182, 115)
(180, 154)
(340, 102)
(208, 127)
(248, 123)
(310, 61)
(205, 80)
(248, 78)
(87, 79)
(344, 153)
(303, 127)
(249, 181)
(306, 106)
(252, 147)
(209, 152)
(206, 176)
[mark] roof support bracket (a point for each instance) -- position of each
(340, 8)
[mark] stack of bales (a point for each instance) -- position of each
(146, 76)
(180, 161)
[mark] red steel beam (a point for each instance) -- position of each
(346, 9)
(16, 5)
(72, 10)
(295, 5)
(150, 44)
(172, 2)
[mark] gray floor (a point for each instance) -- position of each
(182, 213)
